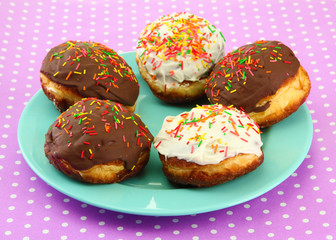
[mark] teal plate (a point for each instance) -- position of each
(150, 193)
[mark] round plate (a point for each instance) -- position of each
(150, 193)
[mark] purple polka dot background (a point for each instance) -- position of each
(302, 207)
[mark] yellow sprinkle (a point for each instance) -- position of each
(90, 151)
(64, 64)
(56, 74)
(233, 91)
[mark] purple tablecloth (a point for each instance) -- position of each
(302, 207)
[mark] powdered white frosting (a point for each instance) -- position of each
(208, 134)
(180, 47)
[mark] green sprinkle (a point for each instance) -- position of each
(212, 31)
(222, 36)
(143, 53)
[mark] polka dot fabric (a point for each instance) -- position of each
(302, 207)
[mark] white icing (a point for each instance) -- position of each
(170, 71)
(223, 133)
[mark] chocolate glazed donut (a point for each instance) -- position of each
(87, 69)
(264, 79)
(98, 141)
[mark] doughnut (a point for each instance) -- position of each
(98, 141)
(74, 70)
(176, 53)
(264, 78)
(209, 145)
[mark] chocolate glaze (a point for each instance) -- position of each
(93, 69)
(250, 73)
(97, 132)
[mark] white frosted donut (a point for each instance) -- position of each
(209, 145)
(176, 49)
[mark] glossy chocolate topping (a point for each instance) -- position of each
(97, 132)
(93, 69)
(250, 73)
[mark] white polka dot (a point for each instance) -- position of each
(305, 220)
(65, 212)
(231, 225)
(27, 225)
(157, 226)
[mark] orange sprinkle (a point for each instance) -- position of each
(68, 75)
(216, 148)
